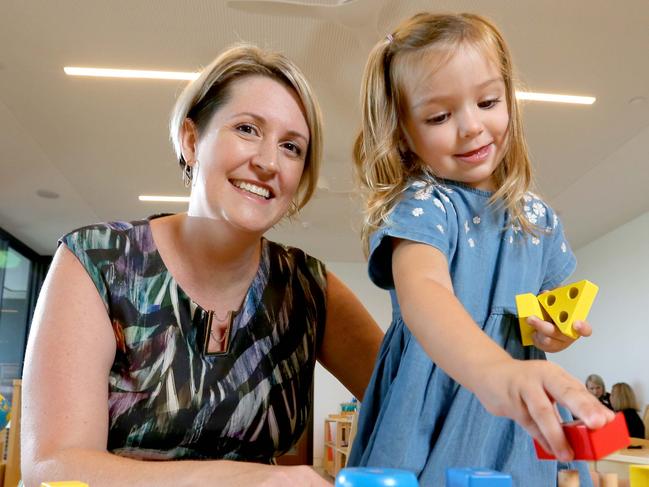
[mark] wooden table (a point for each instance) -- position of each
(619, 461)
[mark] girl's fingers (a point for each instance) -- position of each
(543, 413)
(583, 328)
(573, 395)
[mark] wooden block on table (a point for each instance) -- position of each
(592, 444)
(476, 477)
(69, 483)
(639, 475)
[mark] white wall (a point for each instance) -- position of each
(618, 350)
(329, 393)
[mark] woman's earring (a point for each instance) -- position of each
(194, 174)
(187, 175)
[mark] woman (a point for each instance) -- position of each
(595, 385)
(191, 337)
(623, 399)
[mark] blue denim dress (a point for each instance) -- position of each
(413, 415)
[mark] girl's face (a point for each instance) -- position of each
(457, 117)
(250, 156)
(595, 389)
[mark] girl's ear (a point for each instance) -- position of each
(188, 141)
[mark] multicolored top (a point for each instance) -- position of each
(170, 400)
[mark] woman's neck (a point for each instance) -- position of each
(211, 261)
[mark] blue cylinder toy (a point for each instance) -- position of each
(375, 477)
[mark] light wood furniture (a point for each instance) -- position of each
(339, 432)
(619, 461)
(12, 447)
(645, 420)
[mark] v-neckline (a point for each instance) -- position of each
(248, 296)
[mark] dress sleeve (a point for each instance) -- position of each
(91, 245)
(561, 261)
(424, 214)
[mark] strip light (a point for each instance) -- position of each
(164, 199)
(579, 100)
(129, 73)
(187, 76)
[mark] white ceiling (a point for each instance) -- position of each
(100, 143)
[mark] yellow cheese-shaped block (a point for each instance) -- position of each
(639, 475)
(527, 305)
(69, 483)
(570, 303)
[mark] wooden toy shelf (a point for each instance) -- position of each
(339, 430)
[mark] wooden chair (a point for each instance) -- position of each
(12, 447)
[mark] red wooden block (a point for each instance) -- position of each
(592, 444)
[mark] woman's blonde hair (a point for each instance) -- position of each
(211, 90)
(623, 397)
(383, 164)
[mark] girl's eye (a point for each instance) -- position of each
(489, 103)
(294, 148)
(247, 128)
(438, 119)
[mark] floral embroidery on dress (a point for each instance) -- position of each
(535, 240)
(417, 211)
(418, 184)
(423, 194)
(476, 220)
(563, 247)
(466, 226)
(439, 204)
(471, 243)
(440, 228)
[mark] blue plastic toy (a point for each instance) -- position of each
(476, 477)
(5, 412)
(375, 477)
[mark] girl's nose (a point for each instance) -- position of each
(470, 125)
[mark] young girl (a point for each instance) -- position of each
(453, 232)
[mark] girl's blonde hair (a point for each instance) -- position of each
(383, 163)
(622, 397)
(211, 90)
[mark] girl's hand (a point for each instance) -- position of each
(548, 337)
(526, 392)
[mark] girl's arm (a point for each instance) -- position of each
(521, 390)
(65, 407)
(351, 339)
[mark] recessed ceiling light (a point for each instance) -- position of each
(129, 73)
(164, 199)
(47, 194)
(550, 97)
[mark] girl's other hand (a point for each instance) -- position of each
(548, 337)
(526, 391)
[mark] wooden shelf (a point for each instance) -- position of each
(339, 433)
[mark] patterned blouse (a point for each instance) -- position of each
(168, 399)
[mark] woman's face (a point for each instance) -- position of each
(595, 389)
(250, 156)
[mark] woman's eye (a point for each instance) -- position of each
(294, 148)
(438, 119)
(489, 103)
(246, 128)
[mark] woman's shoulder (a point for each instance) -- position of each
(106, 235)
(294, 256)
